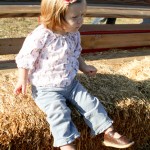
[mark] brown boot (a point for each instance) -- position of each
(117, 142)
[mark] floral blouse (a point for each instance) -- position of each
(52, 59)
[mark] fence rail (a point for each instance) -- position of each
(115, 10)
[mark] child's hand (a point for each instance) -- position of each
(20, 87)
(90, 70)
(22, 82)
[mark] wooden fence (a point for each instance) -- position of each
(96, 8)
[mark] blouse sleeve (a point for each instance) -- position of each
(30, 50)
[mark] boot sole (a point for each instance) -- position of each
(108, 144)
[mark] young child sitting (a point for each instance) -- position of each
(50, 59)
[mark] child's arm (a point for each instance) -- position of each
(86, 69)
(22, 81)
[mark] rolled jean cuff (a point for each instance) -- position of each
(65, 141)
(108, 123)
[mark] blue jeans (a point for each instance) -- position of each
(52, 101)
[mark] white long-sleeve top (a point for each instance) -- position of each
(52, 59)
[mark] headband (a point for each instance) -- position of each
(69, 1)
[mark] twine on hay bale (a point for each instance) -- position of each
(23, 125)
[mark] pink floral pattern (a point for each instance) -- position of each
(51, 58)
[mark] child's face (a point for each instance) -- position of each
(74, 17)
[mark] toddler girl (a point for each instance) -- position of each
(50, 59)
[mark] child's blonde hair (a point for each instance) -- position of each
(53, 13)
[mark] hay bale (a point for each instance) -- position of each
(127, 106)
(23, 125)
